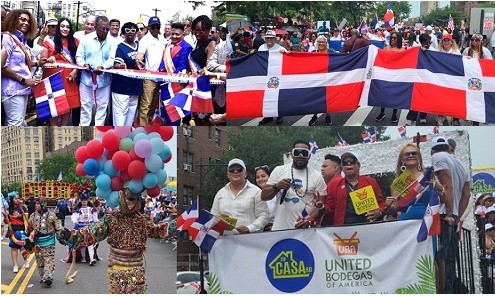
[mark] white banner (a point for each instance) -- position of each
(373, 258)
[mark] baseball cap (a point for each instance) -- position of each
(52, 22)
(437, 141)
(236, 161)
(270, 34)
(447, 37)
(490, 210)
(489, 226)
(154, 21)
(390, 28)
(349, 154)
(428, 28)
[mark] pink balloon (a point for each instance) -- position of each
(122, 131)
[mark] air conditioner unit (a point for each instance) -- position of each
(187, 167)
(187, 132)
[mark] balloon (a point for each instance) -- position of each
(126, 144)
(110, 154)
(122, 131)
(143, 148)
(113, 199)
(150, 180)
(166, 132)
(103, 181)
(81, 154)
(135, 186)
(161, 176)
(137, 169)
(154, 135)
(94, 149)
(111, 140)
(117, 183)
(125, 175)
(139, 130)
(102, 193)
(79, 170)
(165, 152)
(109, 169)
(168, 159)
(153, 163)
(103, 128)
(102, 160)
(156, 145)
(133, 155)
(139, 137)
(121, 160)
(91, 167)
(153, 192)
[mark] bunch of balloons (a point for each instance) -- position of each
(126, 157)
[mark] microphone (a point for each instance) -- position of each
(284, 193)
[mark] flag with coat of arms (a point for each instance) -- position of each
(50, 97)
(187, 217)
(206, 229)
(313, 147)
(431, 220)
(402, 131)
(195, 97)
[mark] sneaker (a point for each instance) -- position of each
(394, 118)
(48, 282)
(422, 121)
(15, 269)
(409, 122)
(27, 264)
(265, 120)
(83, 260)
(380, 117)
(92, 262)
(313, 120)
(328, 120)
(280, 120)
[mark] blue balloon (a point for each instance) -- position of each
(91, 167)
(154, 135)
(165, 153)
(109, 169)
(153, 163)
(103, 181)
(113, 199)
(161, 175)
(102, 193)
(150, 180)
(157, 145)
(139, 130)
(139, 137)
(136, 186)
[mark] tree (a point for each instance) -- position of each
(50, 167)
(440, 16)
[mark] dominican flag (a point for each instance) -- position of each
(388, 18)
(366, 137)
(168, 91)
(450, 24)
(431, 220)
(195, 97)
(414, 191)
(436, 129)
(313, 147)
(372, 134)
(414, 79)
(187, 217)
(205, 230)
(402, 131)
(363, 27)
(50, 97)
(342, 142)
(305, 216)
(270, 84)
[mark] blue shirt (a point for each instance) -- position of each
(126, 85)
(90, 51)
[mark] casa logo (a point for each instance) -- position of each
(273, 82)
(346, 246)
(289, 265)
(475, 84)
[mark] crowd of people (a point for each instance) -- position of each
(100, 98)
(294, 195)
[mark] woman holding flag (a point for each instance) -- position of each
(18, 222)
(63, 50)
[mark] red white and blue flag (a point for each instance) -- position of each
(402, 131)
(342, 142)
(305, 216)
(388, 18)
(206, 229)
(168, 91)
(195, 97)
(363, 27)
(431, 220)
(50, 97)
(372, 134)
(366, 137)
(450, 24)
(313, 147)
(414, 191)
(187, 217)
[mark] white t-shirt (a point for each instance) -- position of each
(152, 48)
(276, 47)
(294, 203)
(486, 53)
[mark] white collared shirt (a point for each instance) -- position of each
(152, 48)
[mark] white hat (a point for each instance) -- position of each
(349, 153)
(429, 28)
(52, 22)
(270, 34)
(236, 161)
(490, 209)
(437, 141)
(489, 226)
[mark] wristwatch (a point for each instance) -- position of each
(23, 80)
(275, 188)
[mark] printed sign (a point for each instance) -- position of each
(231, 220)
(488, 23)
(364, 200)
(400, 184)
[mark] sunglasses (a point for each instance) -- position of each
(130, 30)
(349, 161)
(300, 152)
(408, 154)
(141, 28)
(213, 32)
(491, 229)
(104, 29)
(154, 27)
(293, 199)
(236, 170)
(264, 167)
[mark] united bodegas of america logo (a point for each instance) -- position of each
(289, 265)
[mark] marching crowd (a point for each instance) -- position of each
(96, 97)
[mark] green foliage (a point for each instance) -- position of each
(15, 186)
(50, 167)
(440, 16)
(426, 274)
(214, 284)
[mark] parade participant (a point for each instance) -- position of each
(331, 167)
(454, 177)
(63, 49)
(126, 90)
(19, 25)
(17, 222)
(62, 210)
(50, 29)
(296, 188)
(262, 173)
(216, 64)
(142, 30)
(485, 201)
(95, 51)
(4, 207)
(167, 33)
(355, 42)
(338, 204)
(270, 45)
(115, 31)
(476, 49)
(489, 241)
(45, 225)
(240, 199)
(149, 56)
(83, 215)
(89, 27)
(433, 38)
(188, 34)
(126, 231)
(322, 46)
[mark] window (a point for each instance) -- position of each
(188, 194)
(188, 161)
(217, 137)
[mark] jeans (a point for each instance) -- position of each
(448, 251)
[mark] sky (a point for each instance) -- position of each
(171, 166)
(482, 140)
(130, 11)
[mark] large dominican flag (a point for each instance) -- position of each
(50, 97)
(268, 84)
(195, 97)
(431, 82)
(205, 230)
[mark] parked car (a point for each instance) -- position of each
(188, 282)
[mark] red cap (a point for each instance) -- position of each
(390, 28)
(447, 36)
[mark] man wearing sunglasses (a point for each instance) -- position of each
(297, 189)
(240, 199)
(338, 205)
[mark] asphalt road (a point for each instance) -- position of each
(161, 271)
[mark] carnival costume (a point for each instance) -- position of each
(84, 216)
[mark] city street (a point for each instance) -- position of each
(161, 262)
